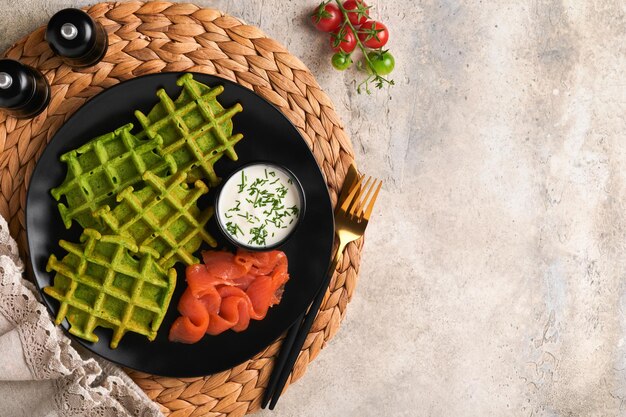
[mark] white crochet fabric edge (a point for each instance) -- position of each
(85, 387)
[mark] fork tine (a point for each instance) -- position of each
(359, 201)
(363, 201)
(355, 188)
(368, 212)
(358, 198)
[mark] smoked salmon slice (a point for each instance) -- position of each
(193, 324)
(200, 280)
(227, 291)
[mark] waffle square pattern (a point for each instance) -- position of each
(188, 135)
(162, 216)
(101, 168)
(108, 281)
(195, 129)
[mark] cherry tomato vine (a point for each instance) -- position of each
(350, 27)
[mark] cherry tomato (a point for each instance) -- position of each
(344, 41)
(373, 34)
(358, 11)
(341, 61)
(327, 17)
(382, 63)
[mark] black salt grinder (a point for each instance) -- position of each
(24, 92)
(77, 38)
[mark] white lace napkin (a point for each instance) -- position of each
(41, 374)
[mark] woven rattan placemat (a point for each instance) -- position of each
(154, 37)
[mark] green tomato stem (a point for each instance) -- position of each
(375, 76)
(346, 20)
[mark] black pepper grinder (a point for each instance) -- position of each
(24, 92)
(77, 38)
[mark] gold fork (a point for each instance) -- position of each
(353, 211)
(353, 214)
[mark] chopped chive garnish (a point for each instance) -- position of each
(242, 185)
(258, 235)
(233, 229)
(262, 206)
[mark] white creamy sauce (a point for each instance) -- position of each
(259, 205)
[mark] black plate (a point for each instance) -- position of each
(268, 136)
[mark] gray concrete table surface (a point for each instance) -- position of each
(492, 280)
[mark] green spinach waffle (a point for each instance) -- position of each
(136, 197)
(101, 168)
(162, 216)
(189, 135)
(108, 281)
(195, 129)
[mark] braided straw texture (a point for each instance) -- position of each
(155, 37)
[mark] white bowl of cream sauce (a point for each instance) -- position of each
(259, 206)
